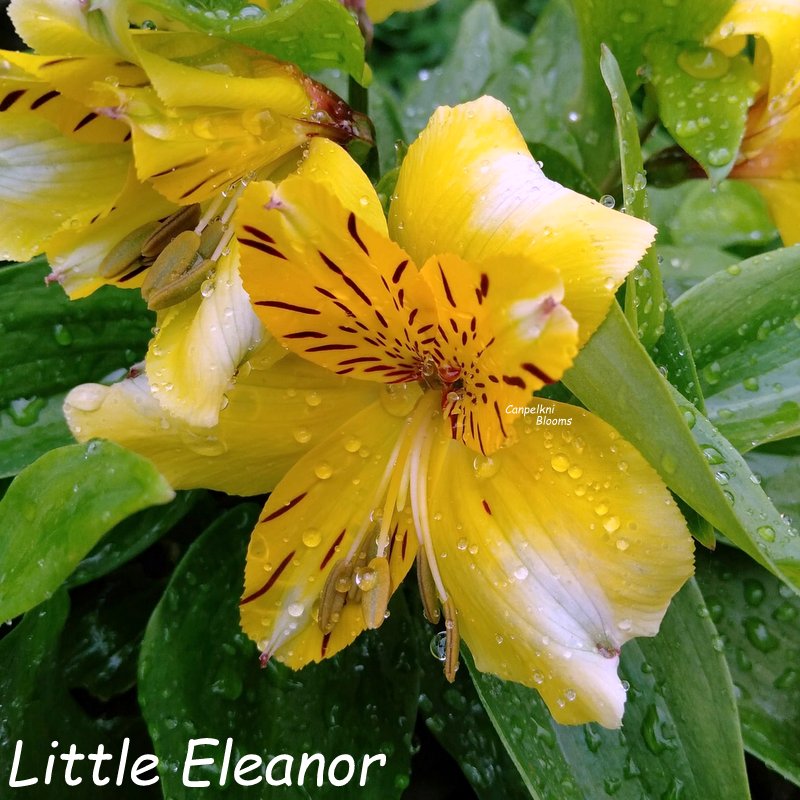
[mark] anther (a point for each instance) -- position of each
(375, 600)
(184, 219)
(333, 599)
(453, 641)
(427, 588)
(127, 252)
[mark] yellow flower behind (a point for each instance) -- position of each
(770, 152)
(543, 539)
(125, 140)
(379, 10)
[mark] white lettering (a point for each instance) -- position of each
(191, 761)
(351, 768)
(13, 781)
(380, 758)
(244, 765)
(144, 764)
(286, 780)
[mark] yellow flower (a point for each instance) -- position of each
(770, 152)
(125, 140)
(404, 417)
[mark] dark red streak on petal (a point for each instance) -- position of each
(259, 234)
(324, 648)
(352, 229)
(271, 582)
(330, 553)
(306, 335)
(346, 278)
(11, 98)
(287, 306)
(45, 98)
(537, 373)
(264, 248)
(446, 286)
(398, 273)
(513, 380)
(486, 508)
(288, 507)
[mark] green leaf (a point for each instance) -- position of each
(743, 324)
(703, 99)
(626, 26)
(732, 214)
(199, 676)
(757, 620)
(542, 83)
(614, 377)
(57, 509)
(680, 734)
(562, 170)
(314, 34)
(133, 536)
(644, 292)
(38, 709)
(104, 631)
(50, 345)
(483, 47)
(684, 267)
(777, 468)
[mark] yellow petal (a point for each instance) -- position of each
(190, 156)
(51, 182)
(278, 410)
(77, 93)
(191, 69)
(201, 342)
(469, 186)
(72, 28)
(322, 513)
(783, 200)
(778, 22)
(332, 166)
(24, 89)
(329, 286)
(555, 552)
(75, 255)
(504, 334)
(379, 10)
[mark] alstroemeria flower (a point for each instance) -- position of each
(416, 346)
(123, 156)
(770, 152)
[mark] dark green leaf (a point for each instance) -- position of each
(132, 536)
(362, 701)
(731, 214)
(542, 83)
(614, 377)
(743, 324)
(777, 467)
(57, 509)
(703, 98)
(104, 631)
(757, 619)
(314, 34)
(684, 267)
(50, 345)
(38, 709)
(483, 47)
(680, 736)
(562, 170)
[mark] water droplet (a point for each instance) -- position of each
(366, 579)
(612, 524)
(352, 444)
(704, 63)
(313, 399)
(485, 467)
(323, 470)
(312, 537)
(520, 573)
(608, 201)
(462, 543)
(439, 646)
(302, 435)
(623, 544)
(207, 287)
(559, 462)
(759, 635)
(62, 335)
(295, 610)
(399, 399)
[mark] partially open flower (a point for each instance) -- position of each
(543, 539)
(770, 152)
(124, 155)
